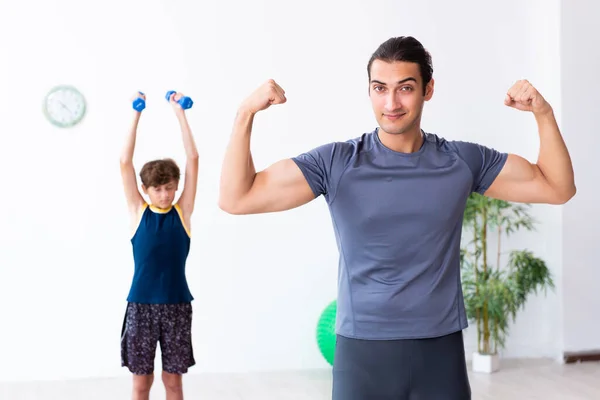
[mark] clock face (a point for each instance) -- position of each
(64, 106)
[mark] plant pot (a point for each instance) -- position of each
(486, 363)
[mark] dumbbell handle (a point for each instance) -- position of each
(185, 102)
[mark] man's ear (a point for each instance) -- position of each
(429, 90)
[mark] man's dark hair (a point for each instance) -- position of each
(404, 48)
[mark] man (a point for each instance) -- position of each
(397, 197)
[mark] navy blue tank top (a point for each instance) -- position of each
(161, 245)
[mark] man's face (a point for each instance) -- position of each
(396, 92)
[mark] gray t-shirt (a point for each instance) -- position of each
(397, 218)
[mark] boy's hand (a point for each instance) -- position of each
(174, 102)
(138, 94)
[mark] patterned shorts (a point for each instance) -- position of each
(145, 325)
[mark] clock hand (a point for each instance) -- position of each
(65, 107)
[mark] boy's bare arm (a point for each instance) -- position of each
(187, 199)
(130, 185)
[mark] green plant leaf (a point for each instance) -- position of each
(493, 296)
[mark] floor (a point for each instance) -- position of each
(518, 380)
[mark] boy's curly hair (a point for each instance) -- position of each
(159, 172)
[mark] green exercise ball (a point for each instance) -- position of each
(326, 332)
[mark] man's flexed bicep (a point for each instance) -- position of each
(285, 184)
(282, 186)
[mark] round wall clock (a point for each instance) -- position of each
(64, 106)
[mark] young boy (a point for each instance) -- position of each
(159, 302)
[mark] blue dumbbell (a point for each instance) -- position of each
(185, 102)
(139, 104)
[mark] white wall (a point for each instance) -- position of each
(65, 259)
(536, 25)
(581, 221)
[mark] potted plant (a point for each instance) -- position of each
(494, 293)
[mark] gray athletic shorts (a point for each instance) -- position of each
(146, 325)
(414, 369)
